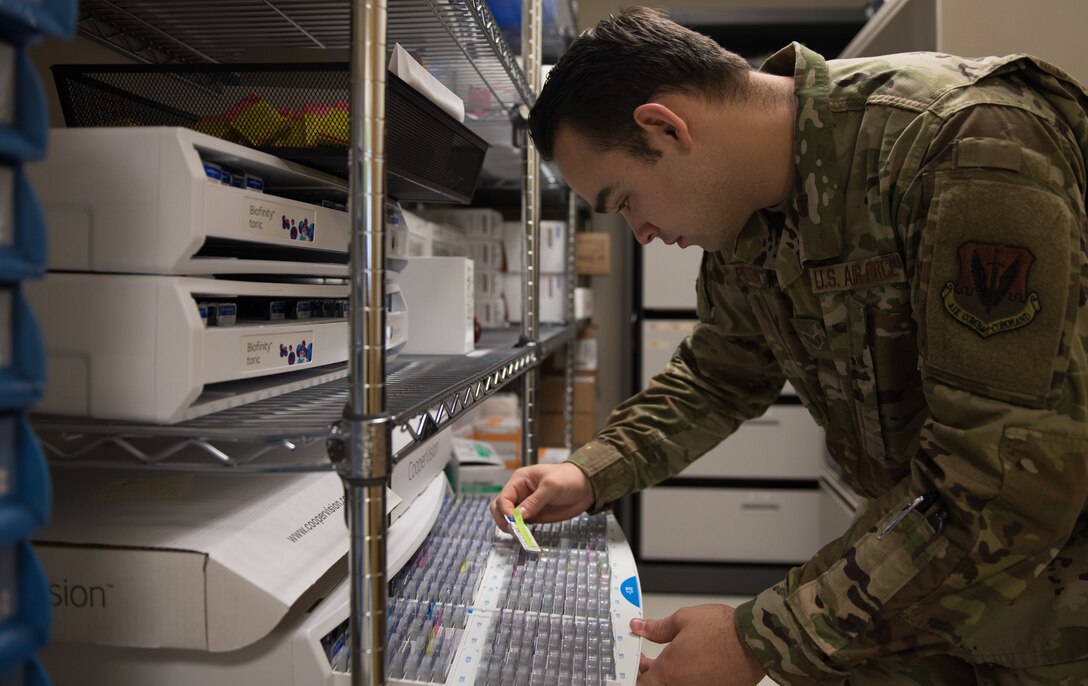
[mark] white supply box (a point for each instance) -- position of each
(477, 222)
(440, 295)
(491, 312)
(135, 347)
(513, 245)
(167, 560)
(140, 200)
(513, 290)
(553, 247)
(553, 298)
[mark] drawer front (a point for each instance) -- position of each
(785, 443)
(659, 340)
(668, 277)
(729, 524)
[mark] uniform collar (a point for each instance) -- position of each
(814, 214)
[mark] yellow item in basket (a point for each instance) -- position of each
(255, 120)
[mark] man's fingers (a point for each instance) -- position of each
(656, 630)
(533, 504)
(497, 513)
(644, 663)
(514, 492)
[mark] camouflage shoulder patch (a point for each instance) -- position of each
(1001, 278)
(990, 295)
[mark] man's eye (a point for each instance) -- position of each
(625, 205)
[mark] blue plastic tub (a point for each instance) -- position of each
(22, 227)
(28, 19)
(23, 135)
(22, 353)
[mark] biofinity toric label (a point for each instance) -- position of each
(279, 221)
(277, 350)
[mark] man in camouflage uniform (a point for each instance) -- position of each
(903, 239)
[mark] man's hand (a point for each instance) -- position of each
(544, 493)
(703, 649)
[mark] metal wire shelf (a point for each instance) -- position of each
(423, 395)
(458, 40)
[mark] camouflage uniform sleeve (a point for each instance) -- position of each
(721, 375)
(972, 539)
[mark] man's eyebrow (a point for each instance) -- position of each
(601, 206)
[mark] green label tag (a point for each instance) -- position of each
(522, 533)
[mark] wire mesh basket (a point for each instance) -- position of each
(298, 112)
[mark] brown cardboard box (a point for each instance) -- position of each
(552, 432)
(592, 253)
(552, 396)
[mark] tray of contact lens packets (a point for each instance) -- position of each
(474, 608)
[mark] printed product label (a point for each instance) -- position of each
(278, 221)
(276, 350)
(7, 205)
(7, 328)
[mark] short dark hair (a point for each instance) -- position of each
(621, 63)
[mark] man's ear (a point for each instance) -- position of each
(659, 121)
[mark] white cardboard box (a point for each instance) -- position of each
(440, 293)
(553, 298)
(207, 562)
(553, 247)
(513, 245)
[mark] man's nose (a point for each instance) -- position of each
(644, 232)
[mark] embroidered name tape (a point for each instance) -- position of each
(873, 271)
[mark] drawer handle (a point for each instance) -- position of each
(763, 422)
(759, 506)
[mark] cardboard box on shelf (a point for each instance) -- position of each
(479, 468)
(592, 253)
(504, 435)
(552, 395)
(194, 561)
(552, 428)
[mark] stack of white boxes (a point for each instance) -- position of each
(551, 267)
(483, 244)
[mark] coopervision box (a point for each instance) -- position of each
(198, 561)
